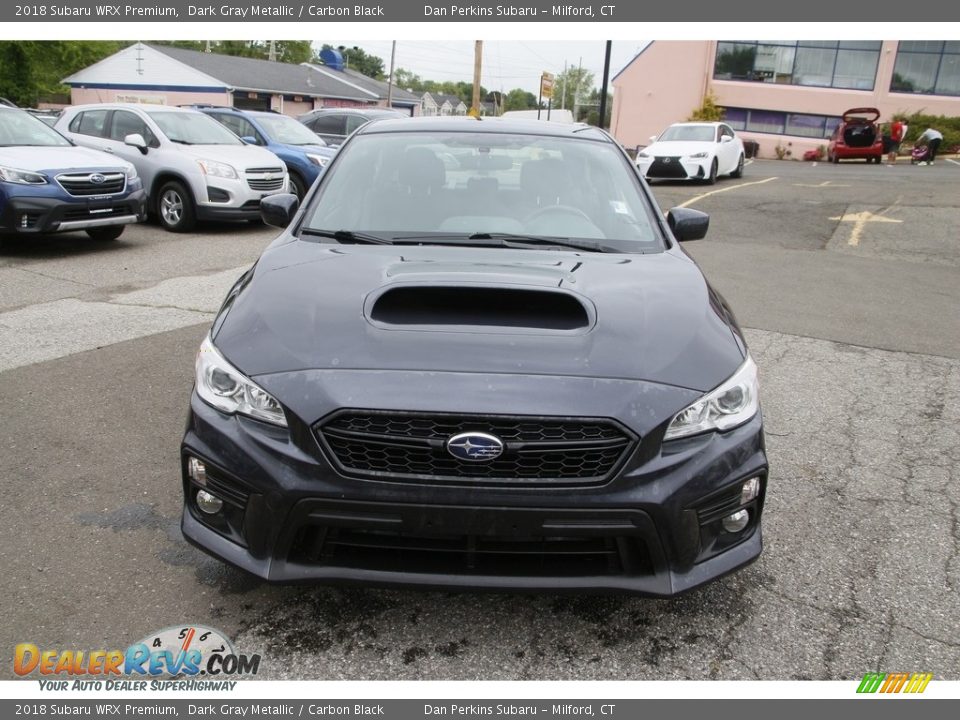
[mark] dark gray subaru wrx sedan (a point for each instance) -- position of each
(477, 357)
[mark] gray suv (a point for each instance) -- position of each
(334, 125)
(192, 167)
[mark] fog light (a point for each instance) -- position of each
(211, 504)
(736, 522)
(197, 471)
(24, 221)
(750, 490)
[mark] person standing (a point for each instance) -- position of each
(898, 131)
(932, 138)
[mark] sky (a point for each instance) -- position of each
(506, 65)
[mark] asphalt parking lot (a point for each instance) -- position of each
(847, 281)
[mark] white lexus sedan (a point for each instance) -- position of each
(693, 151)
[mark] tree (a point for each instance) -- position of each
(30, 69)
(519, 99)
(572, 88)
(407, 80)
(357, 59)
(708, 111)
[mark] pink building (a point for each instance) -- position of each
(788, 93)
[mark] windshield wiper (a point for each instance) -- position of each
(515, 239)
(347, 236)
(181, 142)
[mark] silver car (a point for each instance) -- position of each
(192, 167)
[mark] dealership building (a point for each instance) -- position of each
(783, 93)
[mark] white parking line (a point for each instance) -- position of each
(953, 161)
(692, 200)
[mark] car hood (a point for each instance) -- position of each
(239, 156)
(649, 317)
(59, 159)
(321, 150)
(679, 148)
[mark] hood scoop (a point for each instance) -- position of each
(479, 308)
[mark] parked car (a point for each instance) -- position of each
(506, 374)
(49, 185)
(857, 137)
(693, 151)
(334, 125)
(192, 167)
(302, 151)
(47, 117)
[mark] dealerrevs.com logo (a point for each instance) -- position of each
(179, 652)
(910, 683)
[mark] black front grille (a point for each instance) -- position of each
(536, 555)
(84, 185)
(412, 447)
(263, 184)
(85, 213)
(666, 167)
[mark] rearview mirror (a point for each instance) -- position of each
(136, 140)
(687, 224)
(278, 210)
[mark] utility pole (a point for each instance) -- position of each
(576, 89)
(563, 88)
(603, 88)
(272, 56)
(477, 62)
(393, 54)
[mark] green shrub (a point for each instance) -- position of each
(949, 126)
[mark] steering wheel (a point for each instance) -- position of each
(567, 210)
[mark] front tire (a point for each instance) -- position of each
(298, 186)
(738, 173)
(105, 234)
(175, 208)
(713, 173)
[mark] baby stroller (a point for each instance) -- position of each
(920, 153)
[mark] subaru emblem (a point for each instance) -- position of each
(475, 447)
(97, 179)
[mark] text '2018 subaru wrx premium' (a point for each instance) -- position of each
(478, 358)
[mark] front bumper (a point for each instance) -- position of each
(674, 168)
(654, 529)
(25, 215)
(225, 199)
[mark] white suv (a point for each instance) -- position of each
(192, 167)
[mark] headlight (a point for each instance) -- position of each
(21, 177)
(227, 389)
(131, 173)
(318, 160)
(700, 155)
(217, 169)
(732, 404)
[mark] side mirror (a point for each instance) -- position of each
(653, 138)
(249, 140)
(136, 140)
(278, 210)
(726, 139)
(687, 224)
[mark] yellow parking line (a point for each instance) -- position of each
(691, 201)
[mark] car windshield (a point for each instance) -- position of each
(190, 128)
(20, 128)
(687, 133)
(460, 187)
(286, 130)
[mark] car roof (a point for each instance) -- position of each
(701, 123)
(143, 107)
(372, 112)
(498, 125)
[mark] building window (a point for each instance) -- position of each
(781, 123)
(847, 64)
(927, 67)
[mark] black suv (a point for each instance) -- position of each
(334, 125)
